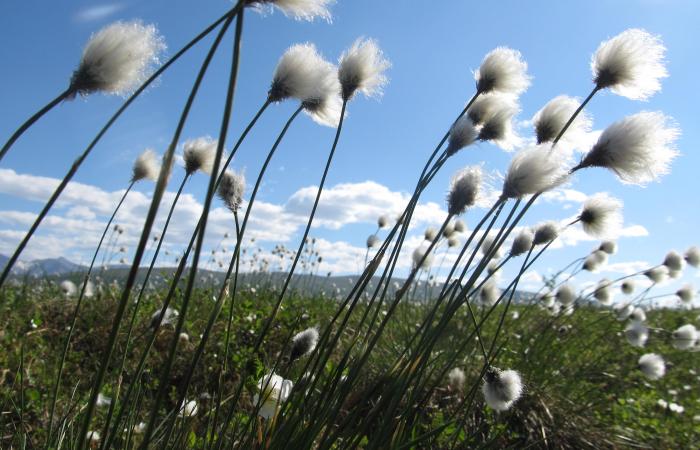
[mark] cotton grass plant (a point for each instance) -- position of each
(358, 378)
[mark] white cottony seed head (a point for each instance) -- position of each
(545, 233)
(522, 243)
(601, 215)
(566, 294)
(231, 189)
(685, 337)
(199, 154)
(609, 247)
(304, 343)
(299, 9)
(462, 134)
(117, 59)
(657, 274)
(638, 148)
(361, 68)
(464, 190)
(146, 166)
(502, 70)
(652, 366)
(637, 334)
(673, 261)
(686, 293)
(456, 379)
(551, 119)
(533, 170)
(501, 388)
(692, 256)
(630, 64)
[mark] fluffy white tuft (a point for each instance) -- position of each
(566, 294)
(692, 256)
(462, 134)
(361, 68)
(551, 119)
(421, 258)
(674, 261)
(494, 113)
(602, 292)
(638, 148)
(533, 170)
(464, 190)
(68, 288)
(652, 366)
(522, 243)
(117, 58)
(609, 247)
(199, 154)
(601, 216)
(299, 9)
(456, 379)
(685, 337)
(231, 189)
(627, 287)
(372, 241)
(545, 233)
(637, 334)
(146, 166)
(489, 293)
(631, 64)
(502, 70)
(304, 343)
(501, 388)
(657, 274)
(686, 293)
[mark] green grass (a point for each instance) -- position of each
(583, 389)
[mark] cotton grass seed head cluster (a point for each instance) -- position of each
(601, 216)
(199, 154)
(545, 233)
(533, 170)
(464, 190)
(652, 366)
(551, 119)
(117, 59)
(231, 189)
(502, 70)
(361, 68)
(146, 166)
(638, 149)
(522, 243)
(501, 388)
(304, 343)
(462, 134)
(298, 9)
(630, 64)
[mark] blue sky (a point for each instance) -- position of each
(433, 47)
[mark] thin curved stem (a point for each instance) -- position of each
(64, 353)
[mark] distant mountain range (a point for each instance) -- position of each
(61, 268)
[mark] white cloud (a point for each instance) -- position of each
(98, 12)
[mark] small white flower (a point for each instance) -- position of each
(117, 58)
(676, 408)
(652, 366)
(146, 166)
(685, 337)
(501, 388)
(361, 68)
(273, 391)
(464, 190)
(551, 119)
(533, 170)
(638, 148)
(199, 154)
(631, 64)
(502, 70)
(601, 215)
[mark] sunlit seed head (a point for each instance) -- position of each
(488, 246)
(430, 234)
(686, 293)
(522, 243)
(602, 292)
(361, 68)
(692, 256)
(231, 189)
(199, 154)
(453, 242)
(464, 190)
(545, 233)
(298, 9)
(652, 366)
(462, 134)
(502, 70)
(630, 64)
(188, 409)
(638, 315)
(421, 258)
(117, 59)
(657, 274)
(627, 287)
(609, 247)
(638, 149)
(623, 312)
(68, 288)
(637, 334)
(601, 215)
(456, 379)
(551, 119)
(146, 166)
(566, 294)
(460, 226)
(383, 221)
(501, 388)
(533, 170)
(489, 293)
(372, 241)
(168, 317)
(304, 343)
(674, 261)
